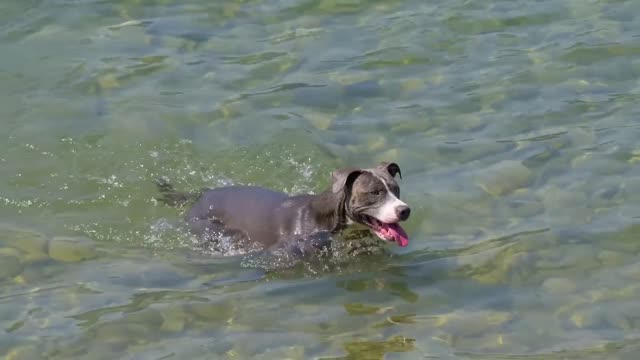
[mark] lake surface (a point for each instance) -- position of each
(515, 123)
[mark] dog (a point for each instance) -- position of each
(251, 217)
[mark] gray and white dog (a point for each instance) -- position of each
(258, 218)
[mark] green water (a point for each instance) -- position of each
(515, 124)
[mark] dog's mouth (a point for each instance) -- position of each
(388, 232)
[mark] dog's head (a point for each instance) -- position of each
(372, 198)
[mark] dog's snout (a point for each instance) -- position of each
(403, 212)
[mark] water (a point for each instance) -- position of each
(515, 124)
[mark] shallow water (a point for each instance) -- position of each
(515, 124)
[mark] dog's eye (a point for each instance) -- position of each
(375, 192)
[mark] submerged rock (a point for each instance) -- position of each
(68, 249)
(611, 258)
(468, 323)
(174, 319)
(31, 242)
(558, 286)
(24, 352)
(603, 316)
(39, 271)
(504, 177)
(9, 251)
(10, 266)
(282, 352)
(483, 343)
(565, 206)
(149, 318)
(207, 312)
(413, 85)
(319, 120)
(512, 265)
(121, 334)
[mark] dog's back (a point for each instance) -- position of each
(252, 210)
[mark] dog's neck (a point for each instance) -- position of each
(330, 210)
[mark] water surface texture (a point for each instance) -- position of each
(516, 125)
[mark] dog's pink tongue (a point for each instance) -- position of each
(398, 234)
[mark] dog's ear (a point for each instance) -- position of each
(342, 178)
(392, 168)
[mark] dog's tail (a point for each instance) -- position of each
(171, 197)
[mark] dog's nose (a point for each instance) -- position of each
(403, 212)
